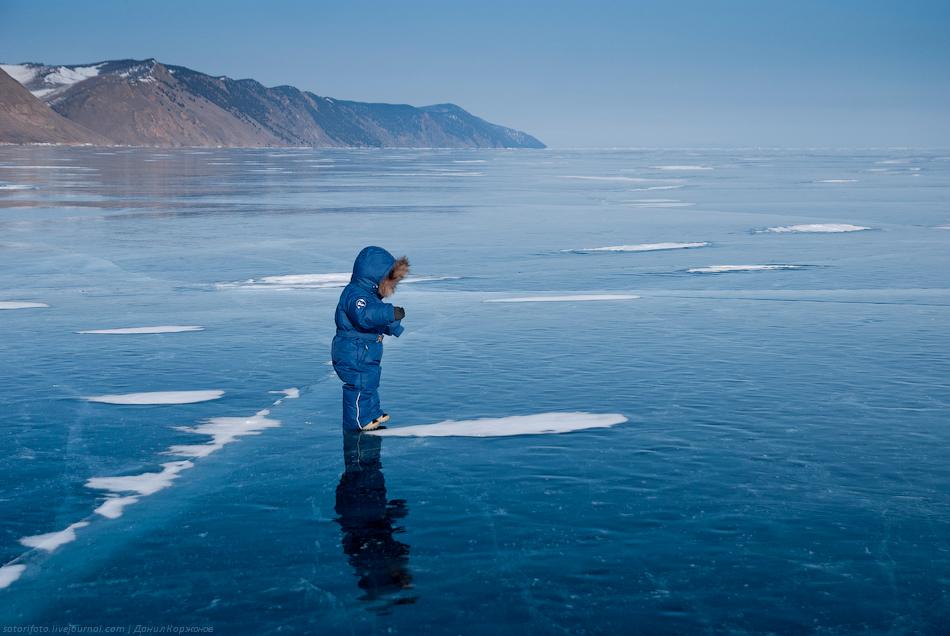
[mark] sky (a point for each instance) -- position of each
(584, 74)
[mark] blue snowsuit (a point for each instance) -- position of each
(362, 319)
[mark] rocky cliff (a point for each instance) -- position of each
(145, 103)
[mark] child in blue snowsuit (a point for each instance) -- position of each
(362, 319)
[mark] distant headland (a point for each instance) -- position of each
(146, 103)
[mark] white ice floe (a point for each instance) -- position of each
(9, 574)
(113, 506)
(561, 299)
(144, 484)
(312, 281)
(836, 181)
(158, 397)
(135, 330)
(831, 228)
(223, 430)
(14, 304)
(539, 424)
(644, 247)
(52, 540)
(720, 269)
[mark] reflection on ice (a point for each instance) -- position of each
(158, 397)
(368, 521)
(539, 424)
(134, 330)
(52, 540)
(562, 299)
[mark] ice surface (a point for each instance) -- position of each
(837, 181)
(9, 574)
(144, 484)
(562, 299)
(223, 430)
(719, 269)
(134, 330)
(17, 186)
(634, 179)
(13, 304)
(818, 227)
(538, 424)
(644, 247)
(159, 397)
(684, 167)
(52, 540)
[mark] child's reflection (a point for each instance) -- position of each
(367, 520)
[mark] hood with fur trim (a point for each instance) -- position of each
(377, 270)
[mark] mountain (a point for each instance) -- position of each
(143, 102)
(25, 119)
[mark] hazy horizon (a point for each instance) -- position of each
(604, 75)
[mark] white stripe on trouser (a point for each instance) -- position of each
(358, 409)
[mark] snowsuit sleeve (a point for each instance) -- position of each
(372, 316)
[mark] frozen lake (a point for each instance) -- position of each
(650, 392)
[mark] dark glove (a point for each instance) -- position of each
(399, 313)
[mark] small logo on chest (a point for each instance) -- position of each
(361, 304)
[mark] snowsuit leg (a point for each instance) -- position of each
(356, 361)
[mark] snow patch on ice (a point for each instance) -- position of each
(556, 299)
(14, 304)
(539, 424)
(818, 228)
(633, 179)
(721, 269)
(135, 330)
(9, 574)
(644, 247)
(312, 281)
(52, 540)
(18, 186)
(290, 394)
(144, 484)
(836, 181)
(657, 203)
(159, 397)
(223, 430)
(683, 167)
(112, 507)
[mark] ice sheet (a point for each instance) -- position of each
(158, 397)
(538, 424)
(818, 228)
(836, 181)
(144, 484)
(9, 574)
(133, 330)
(13, 304)
(683, 168)
(561, 299)
(644, 247)
(18, 186)
(52, 540)
(720, 269)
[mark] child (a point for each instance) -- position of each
(361, 321)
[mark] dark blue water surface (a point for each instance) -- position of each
(783, 468)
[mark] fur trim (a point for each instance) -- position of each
(399, 270)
